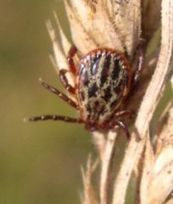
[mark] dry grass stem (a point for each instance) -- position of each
(89, 196)
(105, 168)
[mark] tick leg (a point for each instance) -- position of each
(124, 113)
(70, 60)
(140, 66)
(138, 62)
(122, 125)
(126, 51)
(55, 118)
(59, 94)
(64, 80)
(72, 69)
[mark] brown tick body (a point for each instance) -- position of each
(103, 80)
(102, 84)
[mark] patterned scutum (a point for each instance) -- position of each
(102, 84)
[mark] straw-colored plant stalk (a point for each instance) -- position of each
(119, 24)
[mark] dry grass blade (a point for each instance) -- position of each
(132, 154)
(89, 196)
(160, 185)
(130, 30)
(83, 41)
(64, 41)
(105, 168)
(165, 137)
(146, 174)
(61, 47)
(99, 140)
(148, 106)
(59, 55)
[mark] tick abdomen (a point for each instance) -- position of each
(102, 84)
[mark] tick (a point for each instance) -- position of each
(103, 79)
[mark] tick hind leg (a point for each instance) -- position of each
(140, 65)
(138, 62)
(120, 124)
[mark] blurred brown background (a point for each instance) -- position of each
(39, 162)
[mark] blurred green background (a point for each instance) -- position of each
(39, 162)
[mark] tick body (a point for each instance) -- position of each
(103, 79)
(102, 84)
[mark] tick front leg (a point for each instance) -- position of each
(59, 94)
(72, 70)
(70, 60)
(55, 118)
(64, 80)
